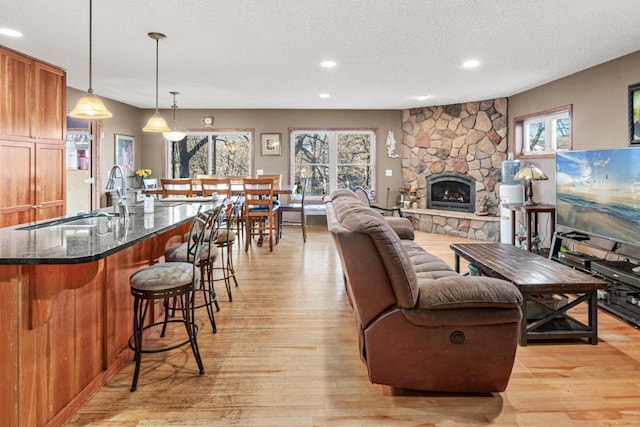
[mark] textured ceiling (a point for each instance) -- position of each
(266, 53)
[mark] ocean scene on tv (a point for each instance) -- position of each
(598, 192)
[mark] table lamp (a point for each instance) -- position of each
(530, 173)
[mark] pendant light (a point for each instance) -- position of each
(90, 106)
(156, 123)
(176, 134)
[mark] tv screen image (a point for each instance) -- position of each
(598, 193)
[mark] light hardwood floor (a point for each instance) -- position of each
(286, 354)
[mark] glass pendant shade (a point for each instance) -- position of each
(90, 106)
(156, 124)
(175, 135)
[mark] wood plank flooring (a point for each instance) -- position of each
(286, 354)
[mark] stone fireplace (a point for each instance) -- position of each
(451, 192)
(452, 141)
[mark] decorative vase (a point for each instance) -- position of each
(149, 183)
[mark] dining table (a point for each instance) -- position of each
(237, 189)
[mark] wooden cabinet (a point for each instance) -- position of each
(34, 190)
(32, 148)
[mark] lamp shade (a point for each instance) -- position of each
(156, 124)
(531, 173)
(90, 107)
(174, 135)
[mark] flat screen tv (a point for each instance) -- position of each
(598, 193)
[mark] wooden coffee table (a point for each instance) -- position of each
(537, 277)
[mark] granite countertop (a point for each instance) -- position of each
(74, 244)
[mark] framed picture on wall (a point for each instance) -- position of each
(270, 144)
(634, 114)
(124, 145)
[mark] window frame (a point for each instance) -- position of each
(333, 153)
(549, 117)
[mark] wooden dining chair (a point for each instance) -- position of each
(199, 177)
(260, 211)
(222, 186)
(177, 187)
(296, 207)
(277, 178)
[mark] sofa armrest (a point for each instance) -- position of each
(402, 227)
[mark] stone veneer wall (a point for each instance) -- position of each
(469, 138)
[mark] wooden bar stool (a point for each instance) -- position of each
(167, 281)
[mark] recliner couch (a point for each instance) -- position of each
(420, 324)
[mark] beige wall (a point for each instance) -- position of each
(281, 121)
(600, 110)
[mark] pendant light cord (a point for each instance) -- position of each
(157, 53)
(90, 44)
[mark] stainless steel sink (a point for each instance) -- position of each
(84, 221)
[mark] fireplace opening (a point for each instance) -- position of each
(451, 191)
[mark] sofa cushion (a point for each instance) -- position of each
(467, 292)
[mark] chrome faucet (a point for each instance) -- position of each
(121, 191)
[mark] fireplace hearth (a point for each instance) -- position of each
(451, 191)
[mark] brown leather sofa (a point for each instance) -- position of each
(420, 324)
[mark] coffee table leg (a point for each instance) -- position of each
(523, 321)
(456, 261)
(593, 317)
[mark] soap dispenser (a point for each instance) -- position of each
(148, 203)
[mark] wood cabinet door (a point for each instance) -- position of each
(17, 175)
(50, 180)
(50, 100)
(16, 88)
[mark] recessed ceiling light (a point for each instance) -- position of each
(421, 97)
(9, 32)
(325, 95)
(328, 64)
(472, 63)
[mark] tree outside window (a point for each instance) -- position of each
(333, 159)
(215, 153)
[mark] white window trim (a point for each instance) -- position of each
(333, 153)
(549, 117)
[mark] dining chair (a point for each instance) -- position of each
(363, 195)
(296, 207)
(237, 190)
(277, 178)
(199, 177)
(177, 187)
(222, 186)
(260, 211)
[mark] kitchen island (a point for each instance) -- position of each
(65, 304)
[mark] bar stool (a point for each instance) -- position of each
(166, 281)
(208, 256)
(224, 240)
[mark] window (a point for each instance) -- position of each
(544, 133)
(333, 159)
(211, 153)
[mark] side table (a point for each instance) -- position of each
(530, 212)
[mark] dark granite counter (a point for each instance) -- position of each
(60, 244)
